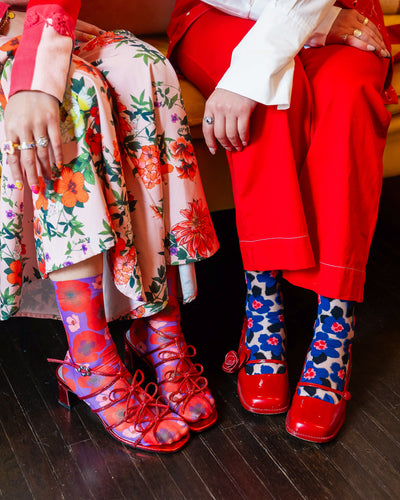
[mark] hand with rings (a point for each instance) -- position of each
(351, 28)
(226, 120)
(32, 128)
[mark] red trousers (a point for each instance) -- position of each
(307, 187)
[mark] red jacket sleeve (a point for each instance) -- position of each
(44, 54)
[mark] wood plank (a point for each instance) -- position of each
(28, 451)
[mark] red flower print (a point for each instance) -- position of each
(73, 295)
(42, 201)
(320, 345)
(87, 345)
(183, 150)
(341, 374)
(96, 319)
(196, 231)
(166, 168)
(309, 374)
(272, 341)
(187, 170)
(337, 327)
(94, 113)
(149, 166)
(93, 140)
(71, 187)
(42, 268)
(15, 277)
(250, 322)
(256, 304)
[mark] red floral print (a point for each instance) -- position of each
(15, 277)
(196, 232)
(73, 295)
(95, 315)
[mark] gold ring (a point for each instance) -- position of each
(357, 33)
(366, 21)
(8, 147)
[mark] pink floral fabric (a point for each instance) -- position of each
(129, 187)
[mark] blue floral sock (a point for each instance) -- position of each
(265, 334)
(328, 357)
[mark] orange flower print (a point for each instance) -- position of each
(166, 168)
(42, 268)
(71, 187)
(149, 166)
(156, 211)
(116, 153)
(183, 150)
(42, 201)
(123, 268)
(37, 228)
(15, 277)
(139, 312)
(196, 231)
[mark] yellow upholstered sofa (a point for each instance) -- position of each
(149, 19)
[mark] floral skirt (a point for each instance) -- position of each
(129, 187)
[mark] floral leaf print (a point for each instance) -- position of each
(196, 231)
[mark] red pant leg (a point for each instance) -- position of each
(271, 224)
(341, 178)
(307, 187)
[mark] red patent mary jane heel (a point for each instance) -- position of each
(315, 420)
(265, 394)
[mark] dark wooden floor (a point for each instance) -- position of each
(47, 452)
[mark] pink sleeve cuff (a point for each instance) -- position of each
(44, 54)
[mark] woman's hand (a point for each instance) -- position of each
(29, 116)
(230, 116)
(85, 31)
(346, 24)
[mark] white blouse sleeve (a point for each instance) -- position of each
(263, 62)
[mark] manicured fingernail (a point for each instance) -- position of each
(102, 32)
(18, 185)
(229, 149)
(371, 48)
(91, 37)
(244, 144)
(388, 55)
(212, 151)
(35, 188)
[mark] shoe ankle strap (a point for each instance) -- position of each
(344, 394)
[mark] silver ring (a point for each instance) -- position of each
(43, 142)
(345, 37)
(209, 120)
(357, 33)
(366, 21)
(26, 145)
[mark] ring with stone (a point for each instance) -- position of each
(366, 21)
(42, 142)
(9, 147)
(26, 145)
(209, 120)
(357, 33)
(345, 37)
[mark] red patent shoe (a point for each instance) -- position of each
(266, 394)
(183, 386)
(315, 420)
(129, 413)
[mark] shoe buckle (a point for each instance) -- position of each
(84, 370)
